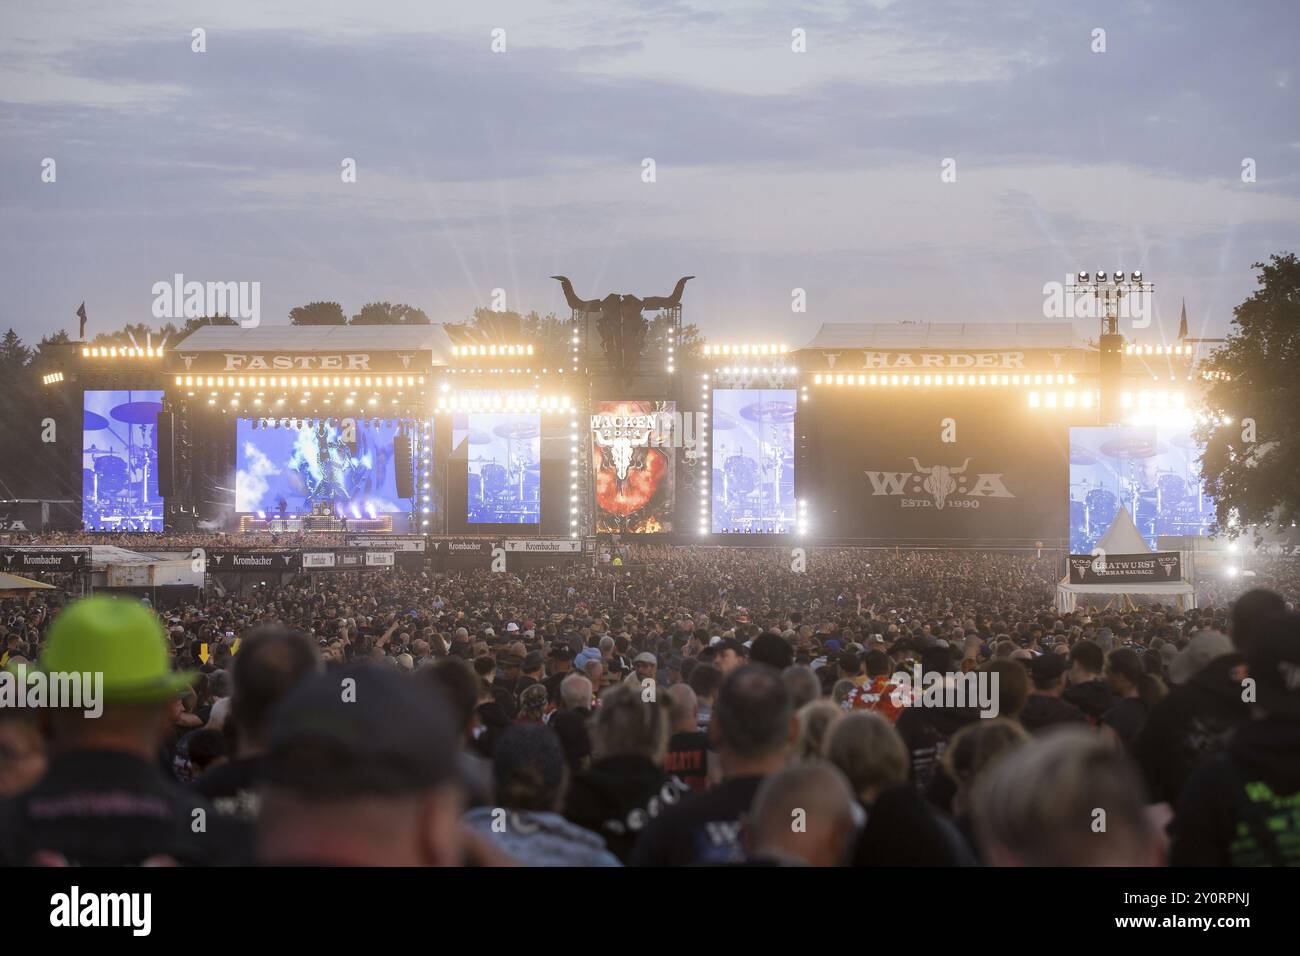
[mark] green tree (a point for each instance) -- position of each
(14, 356)
(385, 313)
(1251, 463)
(318, 313)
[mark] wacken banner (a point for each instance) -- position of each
(254, 562)
(633, 460)
(936, 467)
(1160, 567)
(20, 560)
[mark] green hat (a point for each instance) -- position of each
(120, 639)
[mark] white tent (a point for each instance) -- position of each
(1122, 537)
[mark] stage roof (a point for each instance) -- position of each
(320, 338)
(959, 336)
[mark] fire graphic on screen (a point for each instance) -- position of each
(631, 457)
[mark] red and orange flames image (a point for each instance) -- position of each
(633, 473)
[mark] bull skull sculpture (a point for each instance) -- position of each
(940, 480)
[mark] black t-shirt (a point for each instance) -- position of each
(688, 758)
(1126, 718)
(619, 796)
(101, 808)
(703, 829)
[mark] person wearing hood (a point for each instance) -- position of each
(1239, 807)
(1205, 706)
(626, 786)
(531, 779)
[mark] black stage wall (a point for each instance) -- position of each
(935, 466)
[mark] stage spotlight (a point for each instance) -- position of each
(1136, 276)
(1101, 277)
(1083, 278)
(1117, 277)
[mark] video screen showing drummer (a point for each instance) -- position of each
(504, 470)
(753, 461)
(119, 461)
(1150, 471)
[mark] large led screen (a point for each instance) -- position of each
(632, 460)
(291, 470)
(753, 460)
(503, 456)
(1152, 471)
(119, 461)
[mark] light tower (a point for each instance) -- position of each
(1109, 291)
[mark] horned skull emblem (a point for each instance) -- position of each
(940, 480)
(618, 451)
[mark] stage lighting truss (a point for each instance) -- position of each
(425, 487)
(121, 352)
(802, 520)
(576, 329)
(702, 468)
(483, 400)
(1109, 289)
(53, 378)
(298, 383)
(1053, 400)
(491, 351)
(756, 376)
(575, 480)
(764, 350)
(1185, 350)
(935, 380)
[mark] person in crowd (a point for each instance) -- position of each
(1045, 708)
(271, 661)
(900, 828)
(752, 731)
(1136, 692)
(1066, 798)
(802, 816)
(1086, 688)
(348, 784)
(705, 680)
(1239, 807)
(570, 721)
(688, 746)
(23, 757)
(802, 683)
(103, 800)
(627, 785)
(816, 719)
(532, 776)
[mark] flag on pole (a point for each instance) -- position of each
(1182, 322)
(81, 314)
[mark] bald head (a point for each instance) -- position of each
(683, 708)
(804, 814)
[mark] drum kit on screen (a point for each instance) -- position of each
(508, 491)
(1162, 500)
(754, 488)
(119, 482)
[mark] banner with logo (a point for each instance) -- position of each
(463, 553)
(317, 560)
(633, 462)
(933, 465)
(385, 542)
(543, 546)
(1160, 567)
(379, 559)
(25, 560)
(254, 562)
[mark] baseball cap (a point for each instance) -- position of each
(390, 735)
(120, 639)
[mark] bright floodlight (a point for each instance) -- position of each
(1117, 277)
(1136, 277)
(1083, 277)
(1101, 277)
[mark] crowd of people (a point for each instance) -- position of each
(680, 706)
